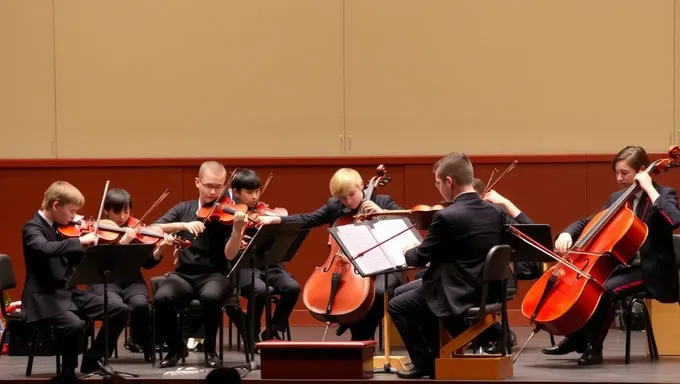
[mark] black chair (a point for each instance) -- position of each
(231, 307)
(273, 300)
(495, 272)
(8, 281)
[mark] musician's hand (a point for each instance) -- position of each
(563, 242)
(410, 246)
(494, 197)
(194, 227)
(167, 241)
(239, 220)
(644, 181)
(89, 239)
(266, 220)
(130, 234)
(369, 207)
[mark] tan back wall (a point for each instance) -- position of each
(178, 78)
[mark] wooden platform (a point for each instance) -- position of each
(531, 367)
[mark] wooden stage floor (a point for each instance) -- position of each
(531, 367)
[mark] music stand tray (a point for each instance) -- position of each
(104, 264)
(272, 244)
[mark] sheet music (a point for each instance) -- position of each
(394, 248)
(357, 239)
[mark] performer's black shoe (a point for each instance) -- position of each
(592, 356)
(413, 372)
(93, 364)
(173, 357)
(212, 360)
(341, 329)
(566, 346)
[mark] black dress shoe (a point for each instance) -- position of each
(148, 353)
(566, 346)
(212, 360)
(173, 357)
(273, 335)
(341, 329)
(592, 356)
(94, 364)
(413, 372)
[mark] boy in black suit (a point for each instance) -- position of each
(655, 272)
(246, 190)
(201, 269)
(456, 245)
(347, 187)
(50, 263)
(135, 294)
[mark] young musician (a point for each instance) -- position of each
(347, 187)
(117, 206)
(200, 272)
(656, 274)
(246, 190)
(456, 245)
(50, 262)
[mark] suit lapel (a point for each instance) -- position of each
(50, 233)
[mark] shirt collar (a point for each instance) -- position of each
(46, 219)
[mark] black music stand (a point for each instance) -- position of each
(386, 362)
(104, 264)
(521, 251)
(271, 245)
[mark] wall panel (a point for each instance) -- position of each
(493, 77)
(27, 79)
(200, 78)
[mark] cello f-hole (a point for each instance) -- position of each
(579, 276)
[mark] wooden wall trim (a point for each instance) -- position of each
(301, 161)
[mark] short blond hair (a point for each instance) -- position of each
(212, 166)
(63, 193)
(343, 180)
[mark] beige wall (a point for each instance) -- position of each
(179, 78)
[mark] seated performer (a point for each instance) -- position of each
(200, 272)
(117, 206)
(456, 246)
(656, 273)
(50, 263)
(347, 187)
(246, 190)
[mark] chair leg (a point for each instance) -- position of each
(231, 324)
(31, 353)
(628, 321)
(288, 330)
(651, 340)
(181, 331)
(220, 334)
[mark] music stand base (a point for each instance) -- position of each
(392, 364)
(107, 371)
(252, 366)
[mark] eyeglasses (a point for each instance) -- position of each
(216, 187)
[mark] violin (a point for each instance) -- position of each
(564, 298)
(224, 208)
(263, 209)
(336, 292)
(110, 233)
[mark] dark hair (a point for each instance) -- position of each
(246, 179)
(117, 199)
(636, 157)
(456, 166)
(478, 185)
(223, 375)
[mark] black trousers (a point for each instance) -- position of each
(69, 327)
(280, 282)
(623, 282)
(365, 328)
(419, 327)
(174, 295)
(136, 296)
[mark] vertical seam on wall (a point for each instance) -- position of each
(674, 137)
(344, 93)
(54, 76)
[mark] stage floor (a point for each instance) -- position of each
(531, 367)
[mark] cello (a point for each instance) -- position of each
(564, 298)
(336, 292)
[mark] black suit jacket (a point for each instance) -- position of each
(48, 262)
(333, 210)
(456, 245)
(657, 254)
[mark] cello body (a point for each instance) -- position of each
(335, 292)
(562, 301)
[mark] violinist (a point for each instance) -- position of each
(135, 294)
(201, 268)
(456, 246)
(50, 263)
(653, 271)
(347, 190)
(246, 190)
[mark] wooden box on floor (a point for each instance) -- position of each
(316, 360)
(664, 323)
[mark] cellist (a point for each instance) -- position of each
(347, 190)
(652, 271)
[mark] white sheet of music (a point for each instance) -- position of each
(394, 248)
(357, 239)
